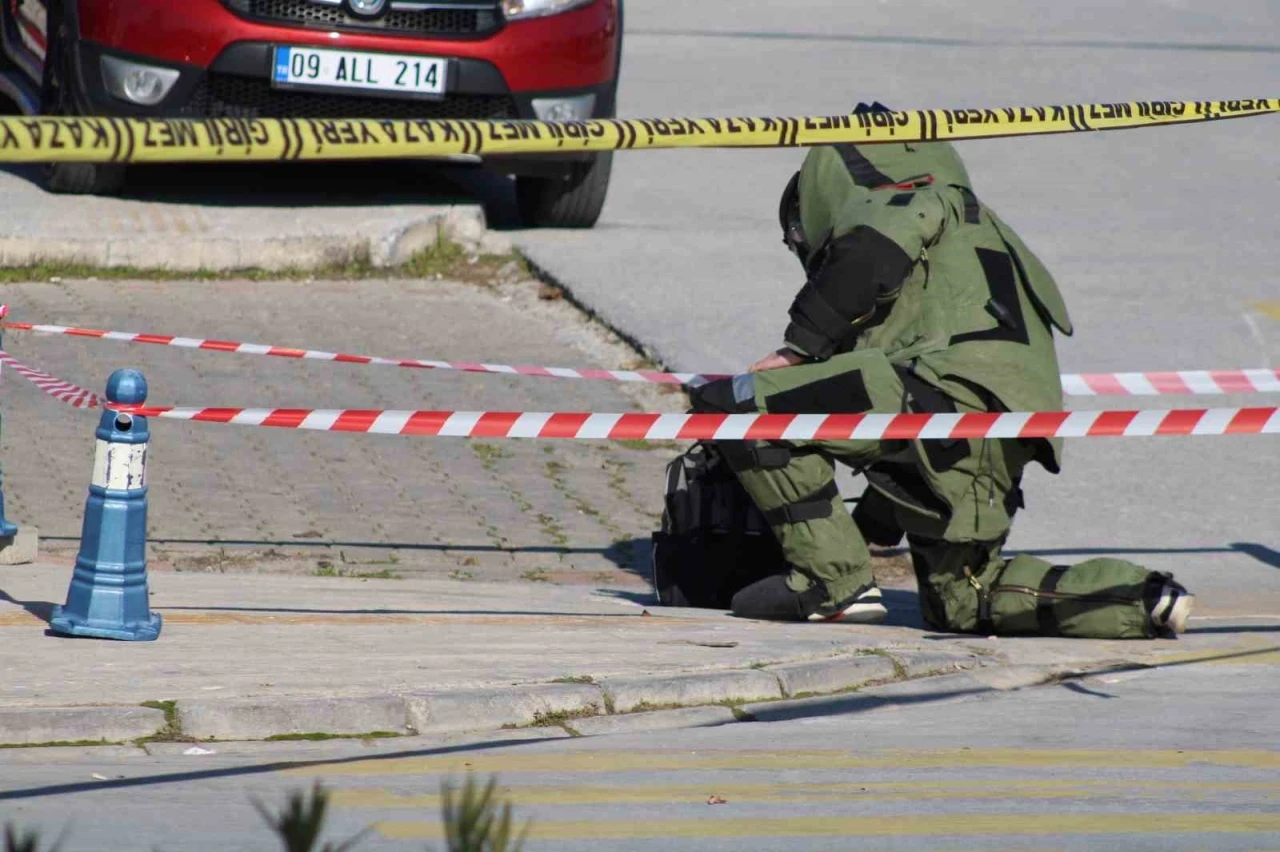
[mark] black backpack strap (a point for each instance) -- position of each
(816, 505)
(1046, 618)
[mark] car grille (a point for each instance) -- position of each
(456, 22)
(230, 96)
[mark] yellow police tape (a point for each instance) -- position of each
(170, 140)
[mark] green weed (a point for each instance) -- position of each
(475, 822)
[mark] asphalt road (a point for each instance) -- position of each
(1163, 240)
(1177, 757)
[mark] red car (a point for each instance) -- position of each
(549, 59)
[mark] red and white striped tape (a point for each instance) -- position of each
(1184, 382)
(681, 427)
(791, 427)
(55, 387)
(650, 376)
(1171, 383)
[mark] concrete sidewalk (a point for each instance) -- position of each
(252, 656)
(249, 216)
(223, 498)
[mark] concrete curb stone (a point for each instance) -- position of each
(36, 725)
(657, 720)
(918, 663)
(833, 675)
(199, 251)
(691, 689)
(230, 720)
(465, 225)
(22, 549)
(447, 712)
(582, 707)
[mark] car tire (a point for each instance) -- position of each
(84, 178)
(72, 178)
(572, 201)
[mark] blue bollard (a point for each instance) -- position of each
(108, 594)
(7, 529)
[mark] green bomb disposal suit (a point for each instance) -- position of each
(918, 299)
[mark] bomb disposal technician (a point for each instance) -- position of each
(918, 298)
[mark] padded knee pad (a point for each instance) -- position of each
(875, 520)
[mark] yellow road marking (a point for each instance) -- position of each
(654, 793)
(1253, 649)
(1269, 309)
(914, 825)
(1267, 658)
(626, 761)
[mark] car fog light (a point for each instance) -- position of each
(516, 9)
(564, 109)
(137, 83)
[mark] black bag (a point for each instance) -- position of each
(714, 541)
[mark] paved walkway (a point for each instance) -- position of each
(227, 498)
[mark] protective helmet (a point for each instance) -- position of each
(831, 173)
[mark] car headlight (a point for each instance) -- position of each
(137, 82)
(516, 9)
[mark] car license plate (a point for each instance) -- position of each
(347, 69)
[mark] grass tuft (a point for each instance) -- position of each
(475, 822)
(301, 822)
(17, 840)
(172, 730)
(57, 744)
(444, 259)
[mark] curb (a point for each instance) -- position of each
(489, 709)
(611, 705)
(242, 720)
(628, 695)
(463, 224)
(78, 725)
(21, 549)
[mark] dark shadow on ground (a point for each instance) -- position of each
(649, 598)
(1260, 552)
(42, 610)
(357, 183)
(256, 769)
(1084, 690)
(904, 608)
(855, 702)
